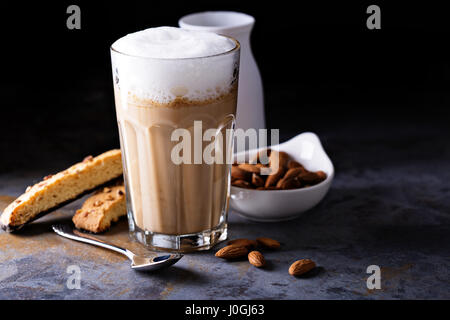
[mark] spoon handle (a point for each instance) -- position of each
(67, 231)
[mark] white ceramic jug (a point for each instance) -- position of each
(250, 111)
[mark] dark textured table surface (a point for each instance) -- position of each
(389, 206)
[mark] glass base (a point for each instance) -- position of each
(203, 240)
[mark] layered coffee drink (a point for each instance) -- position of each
(172, 86)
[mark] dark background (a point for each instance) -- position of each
(378, 99)
(322, 69)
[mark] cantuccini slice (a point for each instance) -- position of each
(59, 189)
(101, 209)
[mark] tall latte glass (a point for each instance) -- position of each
(176, 95)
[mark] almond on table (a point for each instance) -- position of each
(257, 259)
(232, 252)
(268, 243)
(243, 243)
(302, 266)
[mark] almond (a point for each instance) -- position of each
(262, 156)
(231, 252)
(256, 259)
(241, 184)
(278, 186)
(294, 164)
(278, 162)
(243, 243)
(98, 203)
(88, 159)
(268, 243)
(300, 267)
(311, 177)
(322, 175)
(288, 183)
(249, 167)
(293, 172)
(278, 157)
(239, 174)
(273, 179)
(257, 181)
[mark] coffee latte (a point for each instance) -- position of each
(165, 79)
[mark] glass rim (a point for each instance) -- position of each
(236, 48)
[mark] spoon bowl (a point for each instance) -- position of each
(149, 264)
(137, 262)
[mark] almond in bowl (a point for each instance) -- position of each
(300, 174)
(286, 174)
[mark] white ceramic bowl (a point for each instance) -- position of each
(278, 205)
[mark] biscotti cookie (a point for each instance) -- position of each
(59, 189)
(101, 209)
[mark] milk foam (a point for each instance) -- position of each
(164, 63)
(172, 43)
